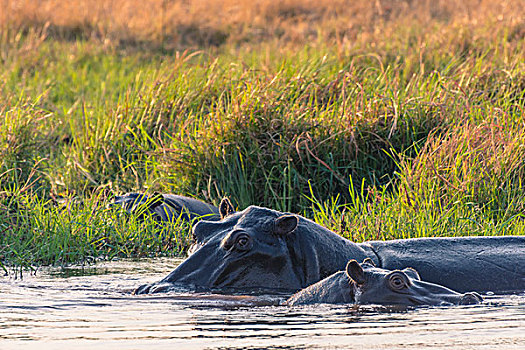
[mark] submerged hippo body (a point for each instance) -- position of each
(482, 264)
(167, 207)
(367, 284)
(266, 250)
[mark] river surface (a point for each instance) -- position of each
(92, 308)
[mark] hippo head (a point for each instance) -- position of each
(258, 249)
(372, 285)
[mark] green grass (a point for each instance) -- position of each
(387, 138)
(37, 232)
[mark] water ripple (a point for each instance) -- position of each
(93, 308)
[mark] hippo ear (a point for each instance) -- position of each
(226, 208)
(410, 271)
(355, 272)
(285, 224)
(369, 262)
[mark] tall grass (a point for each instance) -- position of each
(36, 232)
(380, 120)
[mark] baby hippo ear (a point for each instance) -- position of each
(285, 224)
(369, 262)
(355, 272)
(226, 208)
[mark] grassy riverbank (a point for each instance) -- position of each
(385, 120)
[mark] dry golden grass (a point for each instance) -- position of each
(197, 23)
(471, 160)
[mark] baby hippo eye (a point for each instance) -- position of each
(397, 281)
(243, 242)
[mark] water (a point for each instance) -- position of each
(92, 308)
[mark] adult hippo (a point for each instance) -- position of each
(367, 284)
(166, 207)
(265, 250)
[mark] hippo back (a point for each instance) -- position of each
(192, 207)
(166, 207)
(482, 264)
(334, 289)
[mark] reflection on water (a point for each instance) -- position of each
(93, 308)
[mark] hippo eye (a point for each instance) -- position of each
(239, 240)
(243, 242)
(397, 281)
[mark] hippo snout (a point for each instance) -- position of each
(470, 298)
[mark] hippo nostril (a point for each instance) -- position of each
(470, 298)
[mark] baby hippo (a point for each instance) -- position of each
(366, 284)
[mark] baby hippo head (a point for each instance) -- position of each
(373, 285)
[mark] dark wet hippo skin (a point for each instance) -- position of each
(367, 284)
(167, 207)
(260, 249)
